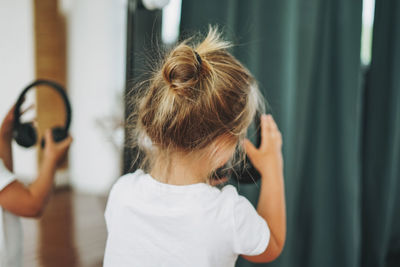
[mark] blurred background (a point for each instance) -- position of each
(330, 71)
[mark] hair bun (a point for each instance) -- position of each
(183, 70)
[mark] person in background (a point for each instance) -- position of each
(17, 199)
(190, 118)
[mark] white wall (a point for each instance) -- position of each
(96, 75)
(17, 69)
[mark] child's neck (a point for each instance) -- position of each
(180, 171)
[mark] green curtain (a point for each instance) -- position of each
(306, 57)
(381, 142)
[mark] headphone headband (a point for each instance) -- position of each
(57, 87)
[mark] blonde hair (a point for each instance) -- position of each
(199, 93)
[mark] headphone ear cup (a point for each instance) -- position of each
(25, 135)
(58, 134)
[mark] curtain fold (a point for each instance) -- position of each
(381, 142)
(306, 57)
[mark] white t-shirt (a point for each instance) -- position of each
(151, 223)
(10, 228)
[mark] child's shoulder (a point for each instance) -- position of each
(6, 177)
(230, 193)
(231, 196)
(229, 190)
(127, 180)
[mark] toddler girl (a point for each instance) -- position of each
(190, 118)
(17, 199)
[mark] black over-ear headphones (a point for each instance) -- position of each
(244, 172)
(24, 133)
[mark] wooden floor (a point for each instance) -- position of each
(70, 233)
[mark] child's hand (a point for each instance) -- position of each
(6, 129)
(271, 203)
(270, 149)
(55, 152)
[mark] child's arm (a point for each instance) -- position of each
(6, 130)
(29, 201)
(271, 204)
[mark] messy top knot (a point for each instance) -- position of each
(199, 93)
(183, 70)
